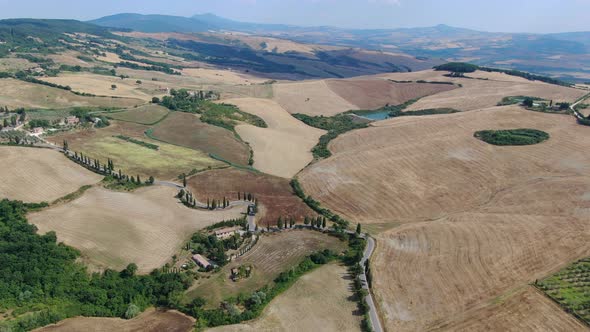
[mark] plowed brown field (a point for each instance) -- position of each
(275, 196)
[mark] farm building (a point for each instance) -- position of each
(224, 233)
(38, 130)
(72, 120)
(201, 261)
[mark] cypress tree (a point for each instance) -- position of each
(324, 222)
(358, 228)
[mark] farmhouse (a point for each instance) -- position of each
(224, 233)
(38, 130)
(201, 261)
(72, 120)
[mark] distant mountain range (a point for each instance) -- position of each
(563, 55)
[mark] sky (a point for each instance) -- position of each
(539, 16)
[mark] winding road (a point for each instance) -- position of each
(375, 322)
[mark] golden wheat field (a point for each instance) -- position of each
(484, 90)
(525, 310)
(15, 93)
(318, 300)
(40, 175)
(282, 149)
(310, 97)
(113, 229)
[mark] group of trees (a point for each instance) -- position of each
(335, 125)
(212, 247)
(108, 169)
(339, 223)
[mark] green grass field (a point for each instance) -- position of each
(147, 114)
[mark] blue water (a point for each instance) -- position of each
(376, 116)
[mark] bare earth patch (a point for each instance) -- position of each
(282, 149)
(113, 229)
(38, 175)
(150, 320)
(319, 300)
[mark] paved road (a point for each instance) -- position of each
(375, 322)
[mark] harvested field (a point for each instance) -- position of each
(187, 130)
(311, 97)
(447, 170)
(69, 58)
(274, 194)
(273, 254)
(100, 85)
(376, 93)
(164, 164)
(151, 320)
(282, 149)
(15, 64)
(148, 114)
(37, 175)
(321, 298)
(486, 91)
(527, 310)
(113, 229)
(477, 221)
(15, 93)
(221, 76)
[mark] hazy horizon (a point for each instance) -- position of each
(544, 16)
